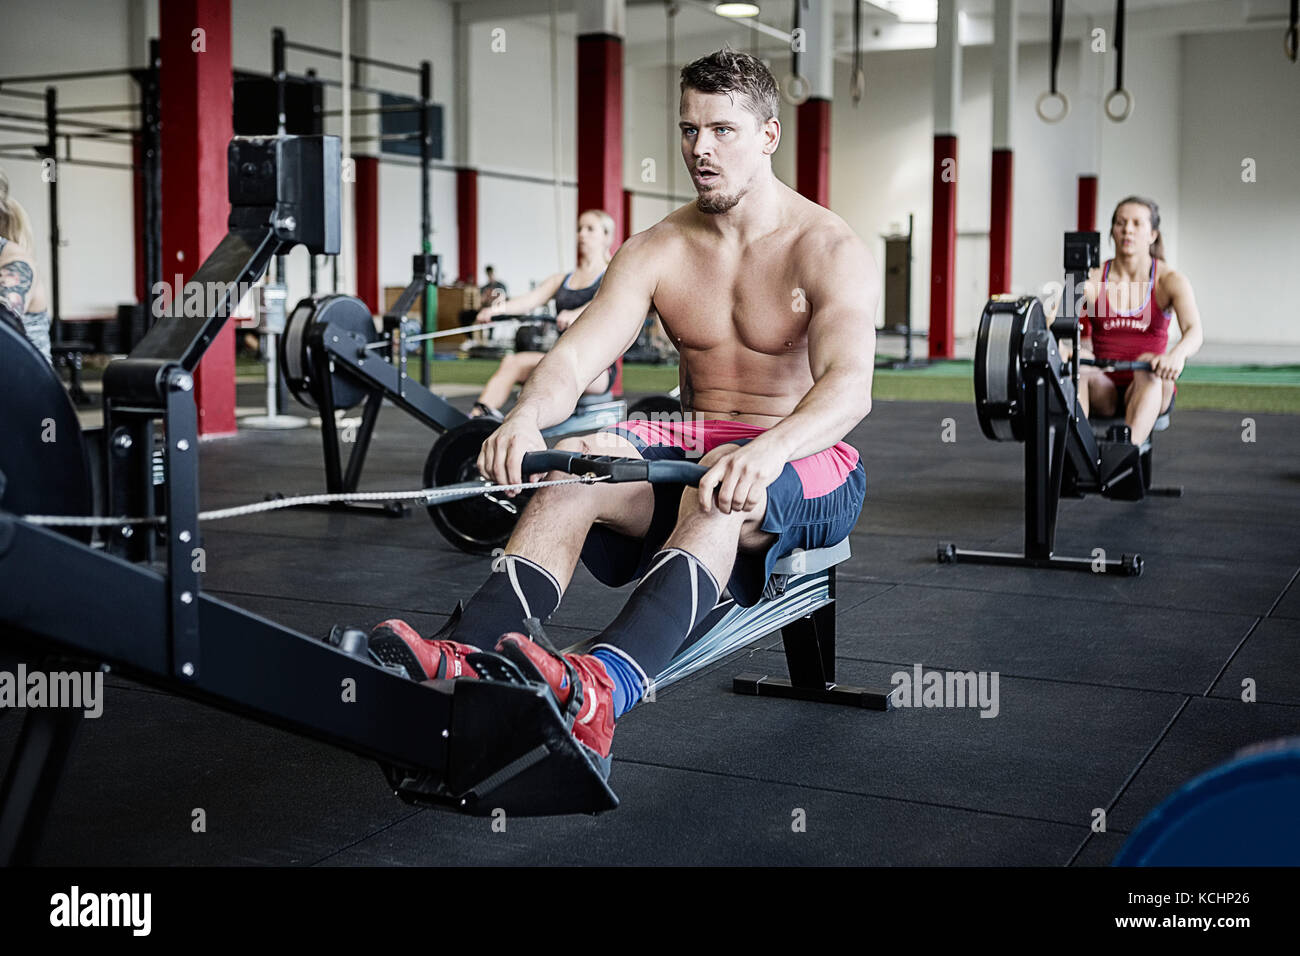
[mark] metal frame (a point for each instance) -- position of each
(906, 331)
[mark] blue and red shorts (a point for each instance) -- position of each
(814, 503)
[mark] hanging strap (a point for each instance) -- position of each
(859, 84)
(1292, 38)
(795, 88)
(1052, 93)
(1119, 102)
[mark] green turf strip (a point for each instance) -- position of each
(1256, 389)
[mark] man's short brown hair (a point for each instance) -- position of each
(730, 71)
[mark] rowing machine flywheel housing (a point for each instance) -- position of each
(302, 352)
(999, 375)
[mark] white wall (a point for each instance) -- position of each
(526, 230)
(1239, 242)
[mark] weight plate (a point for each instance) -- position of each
(475, 525)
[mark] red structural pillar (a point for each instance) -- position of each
(365, 206)
(627, 213)
(600, 126)
(196, 130)
(1087, 203)
(813, 150)
(467, 224)
(1000, 224)
(943, 247)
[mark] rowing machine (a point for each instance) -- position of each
(1025, 392)
(334, 359)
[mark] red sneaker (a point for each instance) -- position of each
(396, 642)
(593, 719)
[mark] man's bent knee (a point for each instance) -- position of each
(626, 508)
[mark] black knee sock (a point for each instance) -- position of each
(675, 595)
(517, 589)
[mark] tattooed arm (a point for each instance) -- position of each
(16, 281)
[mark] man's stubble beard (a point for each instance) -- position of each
(715, 203)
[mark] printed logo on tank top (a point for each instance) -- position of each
(1136, 323)
(1119, 321)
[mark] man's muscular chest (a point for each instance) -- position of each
(718, 302)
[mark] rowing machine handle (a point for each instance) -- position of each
(615, 469)
(525, 319)
(1117, 366)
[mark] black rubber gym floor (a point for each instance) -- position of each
(1112, 691)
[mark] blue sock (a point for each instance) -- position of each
(627, 682)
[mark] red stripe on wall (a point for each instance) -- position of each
(197, 125)
(943, 246)
(1000, 224)
(813, 151)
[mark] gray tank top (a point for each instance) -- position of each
(36, 324)
(567, 298)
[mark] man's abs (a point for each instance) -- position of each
(737, 384)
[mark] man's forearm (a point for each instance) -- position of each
(550, 394)
(830, 410)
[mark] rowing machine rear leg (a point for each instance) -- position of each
(810, 658)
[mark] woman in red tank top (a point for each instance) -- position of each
(1130, 302)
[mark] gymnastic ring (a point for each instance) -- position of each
(1047, 96)
(1119, 116)
(858, 87)
(795, 89)
(1290, 41)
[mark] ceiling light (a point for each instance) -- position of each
(736, 9)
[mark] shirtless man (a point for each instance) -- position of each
(1129, 301)
(771, 301)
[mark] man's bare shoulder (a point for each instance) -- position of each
(822, 239)
(660, 243)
